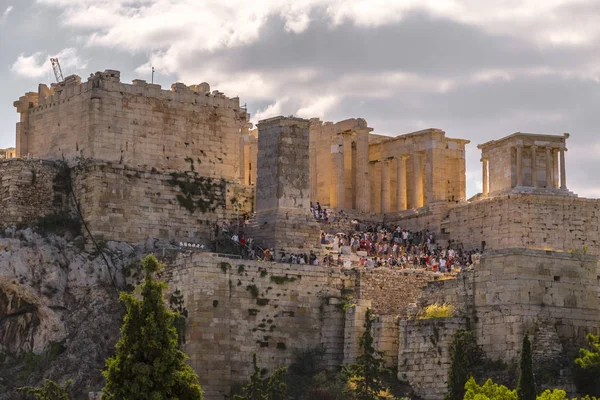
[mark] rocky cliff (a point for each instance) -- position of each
(59, 309)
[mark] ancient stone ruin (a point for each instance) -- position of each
(156, 169)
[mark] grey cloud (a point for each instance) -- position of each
(430, 48)
(420, 44)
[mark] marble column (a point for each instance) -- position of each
(363, 196)
(555, 168)
(484, 161)
(401, 179)
(519, 165)
(563, 169)
(417, 181)
(548, 167)
(338, 183)
(534, 166)
(385, 186)
(313, 173)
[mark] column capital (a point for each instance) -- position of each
(402, 157)
(533, 147)
(484, 159)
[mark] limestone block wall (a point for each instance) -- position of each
(354, 327)
(423, 354)
(283, 220)
(28, 191)
(138, 124)
(429, 217)
(528, 221)
(385, 338)
(502, 169)
(237, 307)
(515, 288)
(126, 204)
(392, 292)
(457, 292)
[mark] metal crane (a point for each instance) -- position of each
(57, 70)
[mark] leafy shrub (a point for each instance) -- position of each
(489, 391)
(435, 310)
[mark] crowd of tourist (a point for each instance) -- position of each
(372, 247)
(398, 248)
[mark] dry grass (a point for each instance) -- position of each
(444, 310)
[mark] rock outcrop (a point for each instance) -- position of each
(59, 309)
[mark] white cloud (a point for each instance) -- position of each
(38, 65)
(273, 110)
(213, 24)
(318, 107)
(5, 14)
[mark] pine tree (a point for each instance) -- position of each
(587, 367)
(148, 364)
(526, 385)
(366, 373)
(464, 355)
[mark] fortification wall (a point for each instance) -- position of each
(527, 221)
(424, 355)
(125, 204)
(139, 125)
(392, 292)
(429, 217)
(514, 289)
(236, 307)
(28, 191)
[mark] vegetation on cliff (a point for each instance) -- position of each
(148, 363)
(258, 388)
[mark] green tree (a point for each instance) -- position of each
(526, 385)
(489, 391)
(587, 367)
(259, 389)
(50, 390)
(148, 364)
(464, 355)
(364, 376)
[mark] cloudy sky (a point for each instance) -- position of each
(477, 69)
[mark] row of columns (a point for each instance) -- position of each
(551, 166)
(551, 159)
(363, 183)
(401, 187)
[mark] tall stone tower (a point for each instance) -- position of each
(283, 219)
